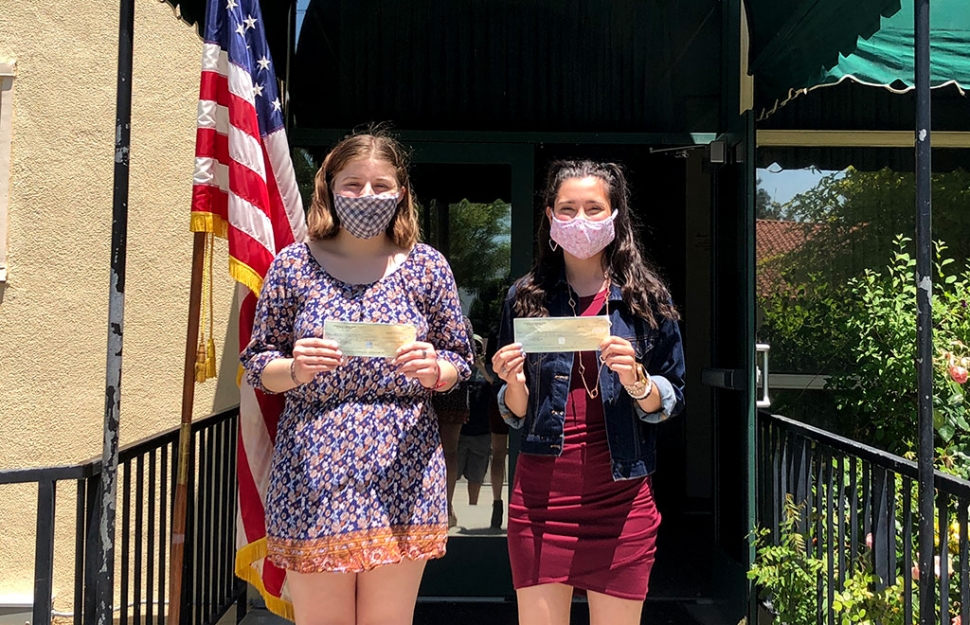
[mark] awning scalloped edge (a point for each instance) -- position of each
(794, 93)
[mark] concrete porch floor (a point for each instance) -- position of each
(504, 613)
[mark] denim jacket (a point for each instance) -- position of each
(630, 432)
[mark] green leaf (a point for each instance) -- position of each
(946, 432)
(959, 418)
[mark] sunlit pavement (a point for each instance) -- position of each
(504, 613)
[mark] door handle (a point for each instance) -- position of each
(762, 350)
(737, 379)
(732, 379)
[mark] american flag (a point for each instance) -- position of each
(244, 190)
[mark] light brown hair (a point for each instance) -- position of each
(322, 221)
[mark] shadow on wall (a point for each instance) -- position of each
(227, 391)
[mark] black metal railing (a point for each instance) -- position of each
(147, 473)
(860, 510)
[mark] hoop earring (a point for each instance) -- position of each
(553, 245)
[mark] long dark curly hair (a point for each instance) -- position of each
(644, 292)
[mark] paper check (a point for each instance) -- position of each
(375, 340)
(561, 334)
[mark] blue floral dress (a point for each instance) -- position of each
(358, 473)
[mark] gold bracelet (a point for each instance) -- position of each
(643, 386)
(293, 372)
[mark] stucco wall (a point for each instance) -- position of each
(53, 308)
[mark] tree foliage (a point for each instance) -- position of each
(765, 206)
(850, 219)
(864, 335)
(479, 251)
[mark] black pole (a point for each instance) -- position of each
(924, 327)
(290, 53)
(108, 491)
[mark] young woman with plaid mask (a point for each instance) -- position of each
(356, 501)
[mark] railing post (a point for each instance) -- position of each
(80, 531)
(104, 574)
(242, 604)
(883, 529)
(191, 524)
(92, 548)
(44, 552)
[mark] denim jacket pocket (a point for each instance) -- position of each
(642, 344)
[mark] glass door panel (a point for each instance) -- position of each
(466, 214)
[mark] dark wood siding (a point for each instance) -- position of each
(511, 65)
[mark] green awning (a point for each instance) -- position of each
(791, 41)
(886, 58)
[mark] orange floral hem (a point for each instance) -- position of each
(357, 552)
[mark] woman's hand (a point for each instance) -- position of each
(419, 361)
(312, 355)
(508, 363)
(618, 354)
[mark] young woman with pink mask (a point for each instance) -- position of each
(356, 500)
(582, 514)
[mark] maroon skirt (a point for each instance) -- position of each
(569, 522)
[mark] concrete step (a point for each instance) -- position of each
(450, 612)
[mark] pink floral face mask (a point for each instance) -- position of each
(581, 237)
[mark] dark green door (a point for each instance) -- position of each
(475, 204)
(732, 356)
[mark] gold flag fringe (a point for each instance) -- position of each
(247, 559)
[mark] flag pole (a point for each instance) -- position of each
(179, 510)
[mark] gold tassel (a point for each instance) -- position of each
(205, 360)
(210, 359)
(200, 363)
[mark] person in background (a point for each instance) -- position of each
(582, 513)
(452, 411)
(356, 503)
(500, 440)
(474, 444)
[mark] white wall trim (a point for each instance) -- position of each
(797, 381)
(858, 138)
(8, 71)
(16, 601)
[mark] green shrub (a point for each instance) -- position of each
(794, 581)
(864, 335)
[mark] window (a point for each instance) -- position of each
(835, 230)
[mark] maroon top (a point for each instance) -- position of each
(569, 522)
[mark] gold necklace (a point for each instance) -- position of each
(595, 391)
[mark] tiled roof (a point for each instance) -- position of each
(774, 239)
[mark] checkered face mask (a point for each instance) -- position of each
(367, 216)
